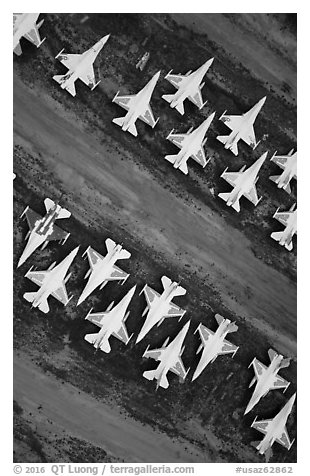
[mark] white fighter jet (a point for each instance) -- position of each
(112, 323)
(241, 128)
(244, 184)
(24, 25)
(43, 229)
(191, 145)
(188, 86)
(138, 107)
(80, 66)
(159, 306)
(103, 269)
(214, 343)
(169, 357)
(288, 164)
(51, 282)
(289, 220)
(267, 377)
(274, 430)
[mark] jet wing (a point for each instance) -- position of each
(96, 318)
(33, 36)
(279, 382)
(283, 217)
(200, 157)
(150, 295)
(228, 348)
(153, 354)
(197, 99)
(122, 334)
(233, 122)
(175, 79)
(61, 294)
(179, 369)
(32, 217)
(231, 177)
(177, 139)
(262, 425)
(284, 440)
(280, 160)
(58, 234)
(93, 256)
(259, 368)
(37, 276)
(118, 274)
(174, 310)
(88, 77)
(124, 101)
(70, 61)
(204, 333)
(249, 137)
(252, 195)
(148, 117)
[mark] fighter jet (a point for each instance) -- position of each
(244, 184)
(267, 377)
(138, 107)
(169, 357)
(188, 86)
(241, 127)
(103, 269)
(159, 306)
(24, 25)
(43, 229)
(214, 343)
(51, 282)
(289, 220)
(112, 323)
(289, 165)
(80, 66)
(191, 145)
(274, 430)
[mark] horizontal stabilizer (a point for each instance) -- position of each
(164, 382)
(119, 121)
(64, 213)
(168, 97)
(183, 168)
(69, 86)
(149, 374)
(236, 206)
(105, 346)
(285, 363)
(17, 50)
(277, 235)
(29, 296)
(232, 327)
(222, 139)
(180, 108)
(124, 254)
(133, 130)
(255, 443)
(171, 158)
(44, 307)
(274, 178)
(287, 188)
(224, 196)
(289, 246)
(91, 338)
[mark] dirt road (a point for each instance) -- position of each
(71, 411)
(105, 181)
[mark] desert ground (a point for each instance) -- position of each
(70, 403)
